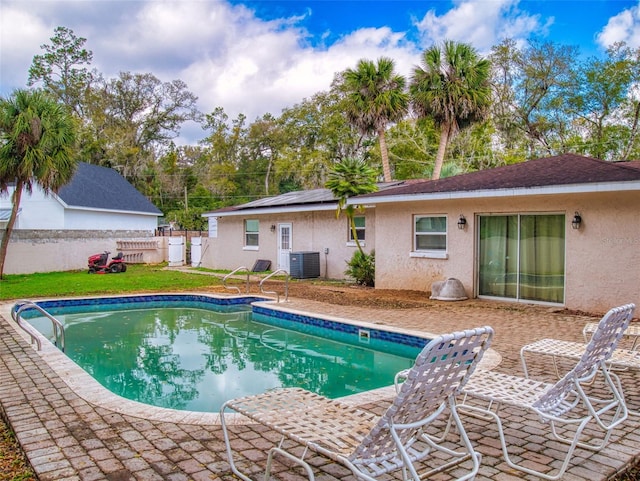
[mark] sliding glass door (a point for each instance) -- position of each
(522, 257)
(498, 259)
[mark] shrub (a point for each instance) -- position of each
(362, 267)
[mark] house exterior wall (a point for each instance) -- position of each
(311, 231)
(37, 210)
(76, 219)
(602, 257)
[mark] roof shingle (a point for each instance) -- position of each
(566, 169)
(98, 187)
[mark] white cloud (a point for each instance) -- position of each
(227, 55)
(269, 70)
(624, 27)
(21, 35)
(480, 23)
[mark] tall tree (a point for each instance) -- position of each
(375, 97)
(139, 116)
(531, 87)
(60, 68)
(630, 110)
(217, 167)
(606, 104)
(411, 143)
(264, 142)
(315, 136)
(37, 137)
(451, 85)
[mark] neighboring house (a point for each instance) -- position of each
(517, 241)
(273, 227)
(96, 198)
(4, 216)
(97, 210)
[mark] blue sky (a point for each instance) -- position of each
(259, 56)
(575, 22)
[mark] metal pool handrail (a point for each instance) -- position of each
(286, 285)
(237, 269)
(58, 328)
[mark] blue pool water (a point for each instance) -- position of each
(195, 352)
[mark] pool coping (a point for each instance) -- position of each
(86, 387)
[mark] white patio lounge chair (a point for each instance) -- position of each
(564, 404)
(621, 359)
(632, 333)
(372, 445)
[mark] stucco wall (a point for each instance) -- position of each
(49, 251)
(311, 231)
(602, 258)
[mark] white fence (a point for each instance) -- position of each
(196, 251)
(177, 251)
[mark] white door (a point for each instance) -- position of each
(284, 246)
(176, 251)
(196, 251)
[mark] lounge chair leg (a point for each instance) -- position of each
(295, 459)
(480, 413)
(227, 442)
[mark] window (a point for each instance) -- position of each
(251, 227)
(360, 229)
(430, 234)
(213, 227)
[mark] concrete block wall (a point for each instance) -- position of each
(32, 251)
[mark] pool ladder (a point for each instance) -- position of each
(58, 329)
(246, 270)
(286, 285)
(233, 272)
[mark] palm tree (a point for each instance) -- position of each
(37, 136)
(348, 178)
(452, 86)
(375, 97)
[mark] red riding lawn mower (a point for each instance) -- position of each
(100, 264)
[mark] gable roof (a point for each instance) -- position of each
(561, 173)
(314, 196)
(633, 164)
(298, 201)
(95, 187)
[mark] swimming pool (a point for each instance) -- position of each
(204, 350)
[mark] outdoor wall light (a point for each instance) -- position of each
(273, 228)
(462, 222)
(577, 221)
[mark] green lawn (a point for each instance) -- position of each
(138, 278)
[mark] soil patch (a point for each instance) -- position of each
(352, 295)
(344, 294)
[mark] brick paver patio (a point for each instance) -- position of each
(67, 437)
